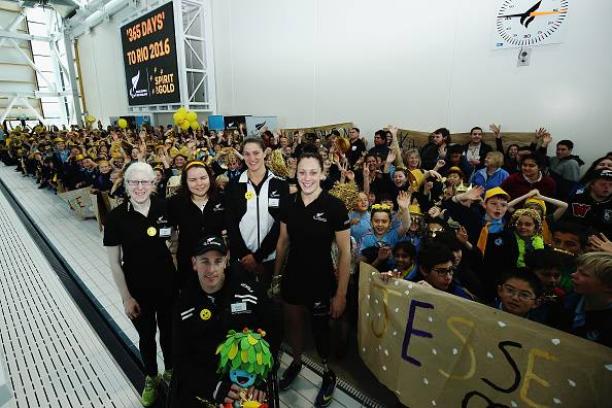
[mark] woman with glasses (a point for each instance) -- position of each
(196, 210)
(135, 236)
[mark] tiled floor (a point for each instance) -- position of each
(53, 358)
(80, 242)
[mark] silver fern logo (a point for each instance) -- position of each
(134, 91)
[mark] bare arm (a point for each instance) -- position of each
(395, 147)
(366, 179)
(561, 206)
(281, 249)
(382, 256)
(343, 241)
(522, 198)
(237, 153)
(403, 202)
(390, 159)
(130, 305)
(114, 259)
(471, 195)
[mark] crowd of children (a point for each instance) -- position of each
(507, 226)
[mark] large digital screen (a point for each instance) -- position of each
(149, 57)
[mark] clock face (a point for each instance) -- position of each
(526, 23)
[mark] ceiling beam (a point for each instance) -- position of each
(22, 37)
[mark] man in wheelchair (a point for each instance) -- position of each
(210, 315)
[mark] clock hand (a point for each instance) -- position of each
(511, 15)
(535, 13)
(542, 13)
(527, 17)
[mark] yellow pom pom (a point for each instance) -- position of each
(122, 123)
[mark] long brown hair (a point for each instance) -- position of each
(183, 190)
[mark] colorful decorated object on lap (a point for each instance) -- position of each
(245, 356)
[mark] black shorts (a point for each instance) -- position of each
(297, 292)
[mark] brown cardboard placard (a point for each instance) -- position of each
(79, 201)
(434, 349)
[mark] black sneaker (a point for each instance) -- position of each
(326, 393)
(289, 375)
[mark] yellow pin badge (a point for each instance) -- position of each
(249, 195)
(151, 231)
(205, 314)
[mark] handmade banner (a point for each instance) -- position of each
(409, 139)
(114, 202)
(96, 209)
(433, 349)
(101, 206)
(79, 201)
(256, 125)
(321, 131)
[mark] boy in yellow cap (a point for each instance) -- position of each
(487, 232)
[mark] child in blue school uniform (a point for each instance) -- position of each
(376, 246)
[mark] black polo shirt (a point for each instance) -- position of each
(193, 224)
(310, 273)
(355, 151)
(147, 262)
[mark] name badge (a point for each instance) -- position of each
(353, 148)
(273, 202)
(165, 232)
(238, 307)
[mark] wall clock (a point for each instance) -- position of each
(528, 23)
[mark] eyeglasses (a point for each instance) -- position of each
(521, 294)
(444, 271)
(144, 183)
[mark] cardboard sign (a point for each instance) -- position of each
(409, 139)
(114, 202)
(433, 349)
(96, 209)
(79, 201)
(256, 125)
(321, 131)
